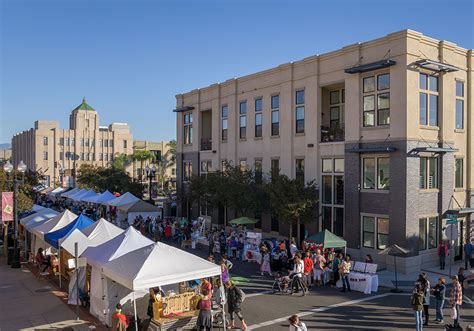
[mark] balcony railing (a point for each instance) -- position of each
(332, 134)
(206, 144)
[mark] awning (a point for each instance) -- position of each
(183, 109)
(435, 150)
(436, 66)
(370, 66)
(371, 150)
(327, 239)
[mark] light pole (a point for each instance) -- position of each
(150, 174)
(8, 167)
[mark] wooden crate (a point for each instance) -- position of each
(176, 304)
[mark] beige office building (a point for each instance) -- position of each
(58, 153)
(384, 127)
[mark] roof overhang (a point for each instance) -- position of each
(435, 150)
(370, 66)
(371, 150)
(183, 109)
(467, 210)
(435, 66)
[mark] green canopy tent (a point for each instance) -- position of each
(243, 221)
(328, 240)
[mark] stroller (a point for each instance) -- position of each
(281, 284)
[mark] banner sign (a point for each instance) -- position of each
(7, 206)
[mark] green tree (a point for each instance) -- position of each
(170, 154)
(142, 156)
(25, 191)
(121, 161)
(292, 201)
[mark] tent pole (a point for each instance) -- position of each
(223, 305)
(135, 311)
(59, 262)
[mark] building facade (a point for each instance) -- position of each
(58, 153)
(384, 127)
(5, 155)
(161, 151)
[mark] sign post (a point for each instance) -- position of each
(76, 253)
(451, 232)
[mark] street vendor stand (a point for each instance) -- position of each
(159, 265)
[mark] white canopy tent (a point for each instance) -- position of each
(124, 199)
(57, 222)
(157, 265)
(101, 231)
(79, 196)
(56, 191)
(37, 208)
(137, 208)
(103, 197)
(38, 217)
(76, 236)
(104, 295)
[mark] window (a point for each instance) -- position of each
(376, 173)
(376, 100)
(299, 111)
(275, 123)
(100, 143)
(92, 142)
(243, 165)
(61, 141)
(224, 165)
(100, 157)
(336, 109)
(332, 195)
(45, 155)
(86, 142)
(82, 141)
(206, 167)
(82, 156)
(243, 127)
(275, 101)
(66, 141)
(224, 115)
(275, 167)
(45, 141)
(258, 104)
(428, 100)
(258, 125)
(299, 167)
(258, 171)
(375, 231)
(459, 178)
(300, 97)
(111, 142)
(106, 157)
(188, 128)
(459, 105)
(72, 142)
(87, 157)
(124, 144)
(299, 119)
(187, 170)
(111, 157)
(428, 172)
(173, 171)
(243, 108)
(93, 156)
(428, 233)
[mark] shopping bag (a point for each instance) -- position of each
(453, 313)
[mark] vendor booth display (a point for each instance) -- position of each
(158, 265)
(251, 247)
(105, 294)
(54, 238)
(141, 208)
(101, 231)
(103, 197)
(363, 278)
(326, 239)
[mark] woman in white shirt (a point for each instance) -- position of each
(297, 273)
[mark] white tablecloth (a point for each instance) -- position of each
(360, 282)
(256, 256)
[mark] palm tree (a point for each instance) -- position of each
(121, 161)
(142, 156)
(170, 154)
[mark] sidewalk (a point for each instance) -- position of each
(29, 303)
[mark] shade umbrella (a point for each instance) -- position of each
(395, 251)
(243, 221)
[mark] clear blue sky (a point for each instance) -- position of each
(130, 58)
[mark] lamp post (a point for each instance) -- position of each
(8, 167)
(150, 174)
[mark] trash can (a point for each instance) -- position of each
(10, 255)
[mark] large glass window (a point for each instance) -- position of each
(258, 125)
(243, 165)
(258, 170)
(376, 100)
(299, 119)
(243, 127)
(428, 100)
(327, 218)
(258, 104)
(368, 231)
(428, 233)
(327, 189)
(459, 105)
(275, 123)
(327, 165)
(224, 116)
(368, 174)
(188, 128)
(383, 171)
(375, 232)
(187, 170)
(338, 165)
(45, 155)
(332, 195)
(459, 173)
(243, 107)
(275, 102)
(299, 97)
(45, 141)
(275, 167)
(299, 167)
(382, 232)
(428, 172)
(338, 227)
(338, 190)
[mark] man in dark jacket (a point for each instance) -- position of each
(234, 302)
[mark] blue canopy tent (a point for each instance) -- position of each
(79, 223)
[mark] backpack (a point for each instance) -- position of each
(241, 294)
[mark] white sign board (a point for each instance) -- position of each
(82, 262)
(451, 232)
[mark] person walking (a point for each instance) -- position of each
(468, 250)
(296, 324)
(204, 320)
(439, 292)
(344, 270)
(265, 264)
(319, 262)
(298, 273)
(308, 268)
(425, 285)
(455, 299)
(417, 298)
(442, 253)
(335, 269)
(235, 297)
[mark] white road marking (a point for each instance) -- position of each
(315, 310)
(250, 295)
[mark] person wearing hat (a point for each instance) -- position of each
(119, 320)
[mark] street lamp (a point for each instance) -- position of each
(150, 174)
(8, 167)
